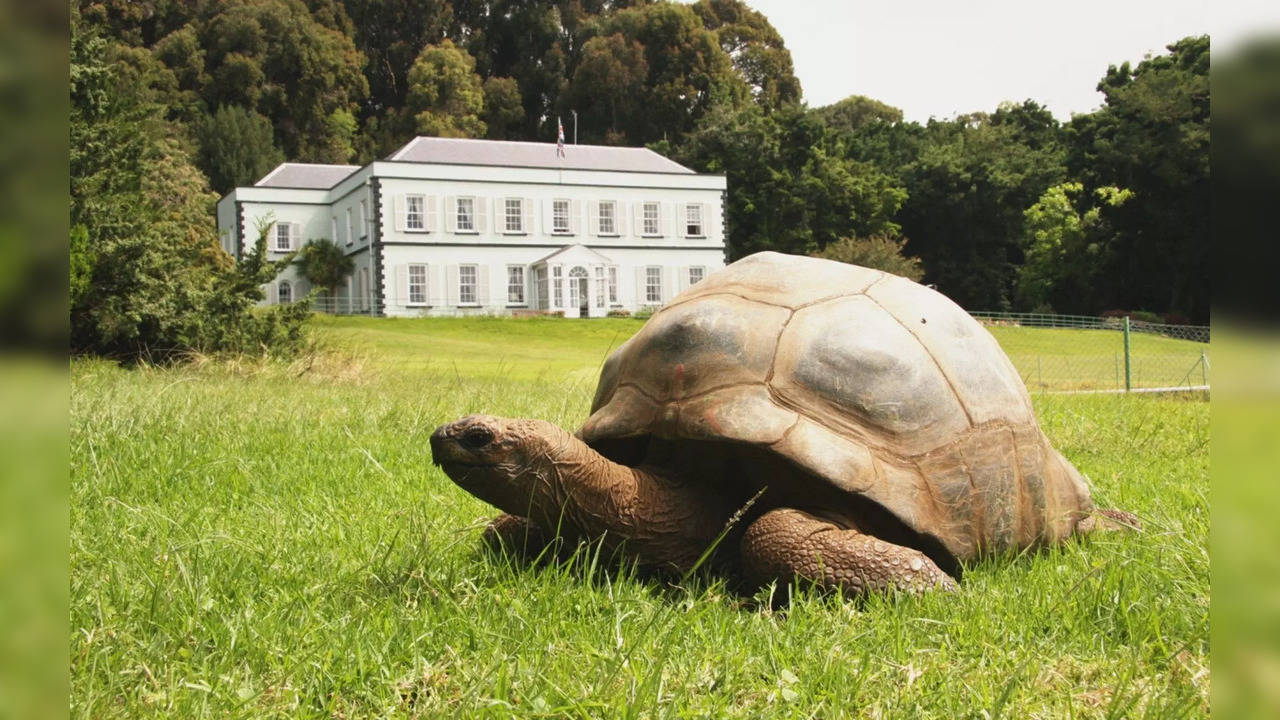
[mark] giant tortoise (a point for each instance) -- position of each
(849, 427)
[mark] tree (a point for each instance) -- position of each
(792, 188)
(149, 280)
(503, 111)
(877, 252)
(446, 96)
(756, 49)
(1152, 137)
(608, 86)
(967, 187)
(1067, 249)
(324, 264)
(857, 112)
(236, 148)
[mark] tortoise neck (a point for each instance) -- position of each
(589, 496)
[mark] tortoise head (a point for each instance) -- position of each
(503, 461)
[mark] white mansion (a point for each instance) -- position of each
(448, 226)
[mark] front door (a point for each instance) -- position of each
(577, 306)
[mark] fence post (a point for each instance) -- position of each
(1204, 369)
(1128, 359)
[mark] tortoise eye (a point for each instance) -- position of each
(476, 438)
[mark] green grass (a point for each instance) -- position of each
(252, 541)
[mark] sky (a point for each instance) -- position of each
(942, 57)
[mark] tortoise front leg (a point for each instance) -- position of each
(515, 535)
(788, 544)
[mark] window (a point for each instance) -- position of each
(693, 220)
(613, 284)
(696, 273)
(557, 287)
(653, 284)
(415, 217)
(417, 285)
(284, 237)
(540, 283)
(466, 217)
(649, 218)
(467, 285)
(364, 218)
(515, 284)
(513, 212)
(599, 273)
(350, 235)
(560, 216)
(608, 217)
(284, 292)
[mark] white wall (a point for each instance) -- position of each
(490, 248)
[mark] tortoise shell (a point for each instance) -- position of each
(871, 383)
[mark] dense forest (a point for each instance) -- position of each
(177, 101)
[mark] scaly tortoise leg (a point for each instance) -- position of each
(515, 535)
(1107, 520)
(788, 544)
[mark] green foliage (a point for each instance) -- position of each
(325, 264)
(236, 147)
(1152, 137)
(148, 278)
(792, 188)
(877, 252)
(1066, 248)
(856, 112)
(756, 48)
(503, 111)
(446, 96)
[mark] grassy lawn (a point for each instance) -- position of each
(273, 541)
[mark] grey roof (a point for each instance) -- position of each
(506, 153)
(303, 175)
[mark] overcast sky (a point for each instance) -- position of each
(942, 57)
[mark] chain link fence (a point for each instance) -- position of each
(1075, 353)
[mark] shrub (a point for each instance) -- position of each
(878, 252)
(619, 313)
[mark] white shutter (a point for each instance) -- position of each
(482, 214)
(711, 216)
(668, 219)
(682, 278)
(682, 216)
(641, 298)
(526, 209)
(451, 213)
(575, 214)
(593, 217)
(548, 217)
(482, 285)
(451, 285)
(432, 213)
(401, 210)
(295, 236)
(706, 219)
(637, 218)
(402, 286)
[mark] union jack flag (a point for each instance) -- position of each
(559, 137)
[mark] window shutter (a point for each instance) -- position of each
(401, 210)
(402, 286)
(482, 285)
(637, 218)
(482, 207)
(593, 217)
(575, 215)
(526, 209)
(682, 220)
(682, 278)
(451, 285)
(641, 296)
(668, 219)
(670, 273)
(429, 203)
(548, 217)
(706, 219)
(451, 213)
(295, 236)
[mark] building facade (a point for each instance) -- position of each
(449, 227)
